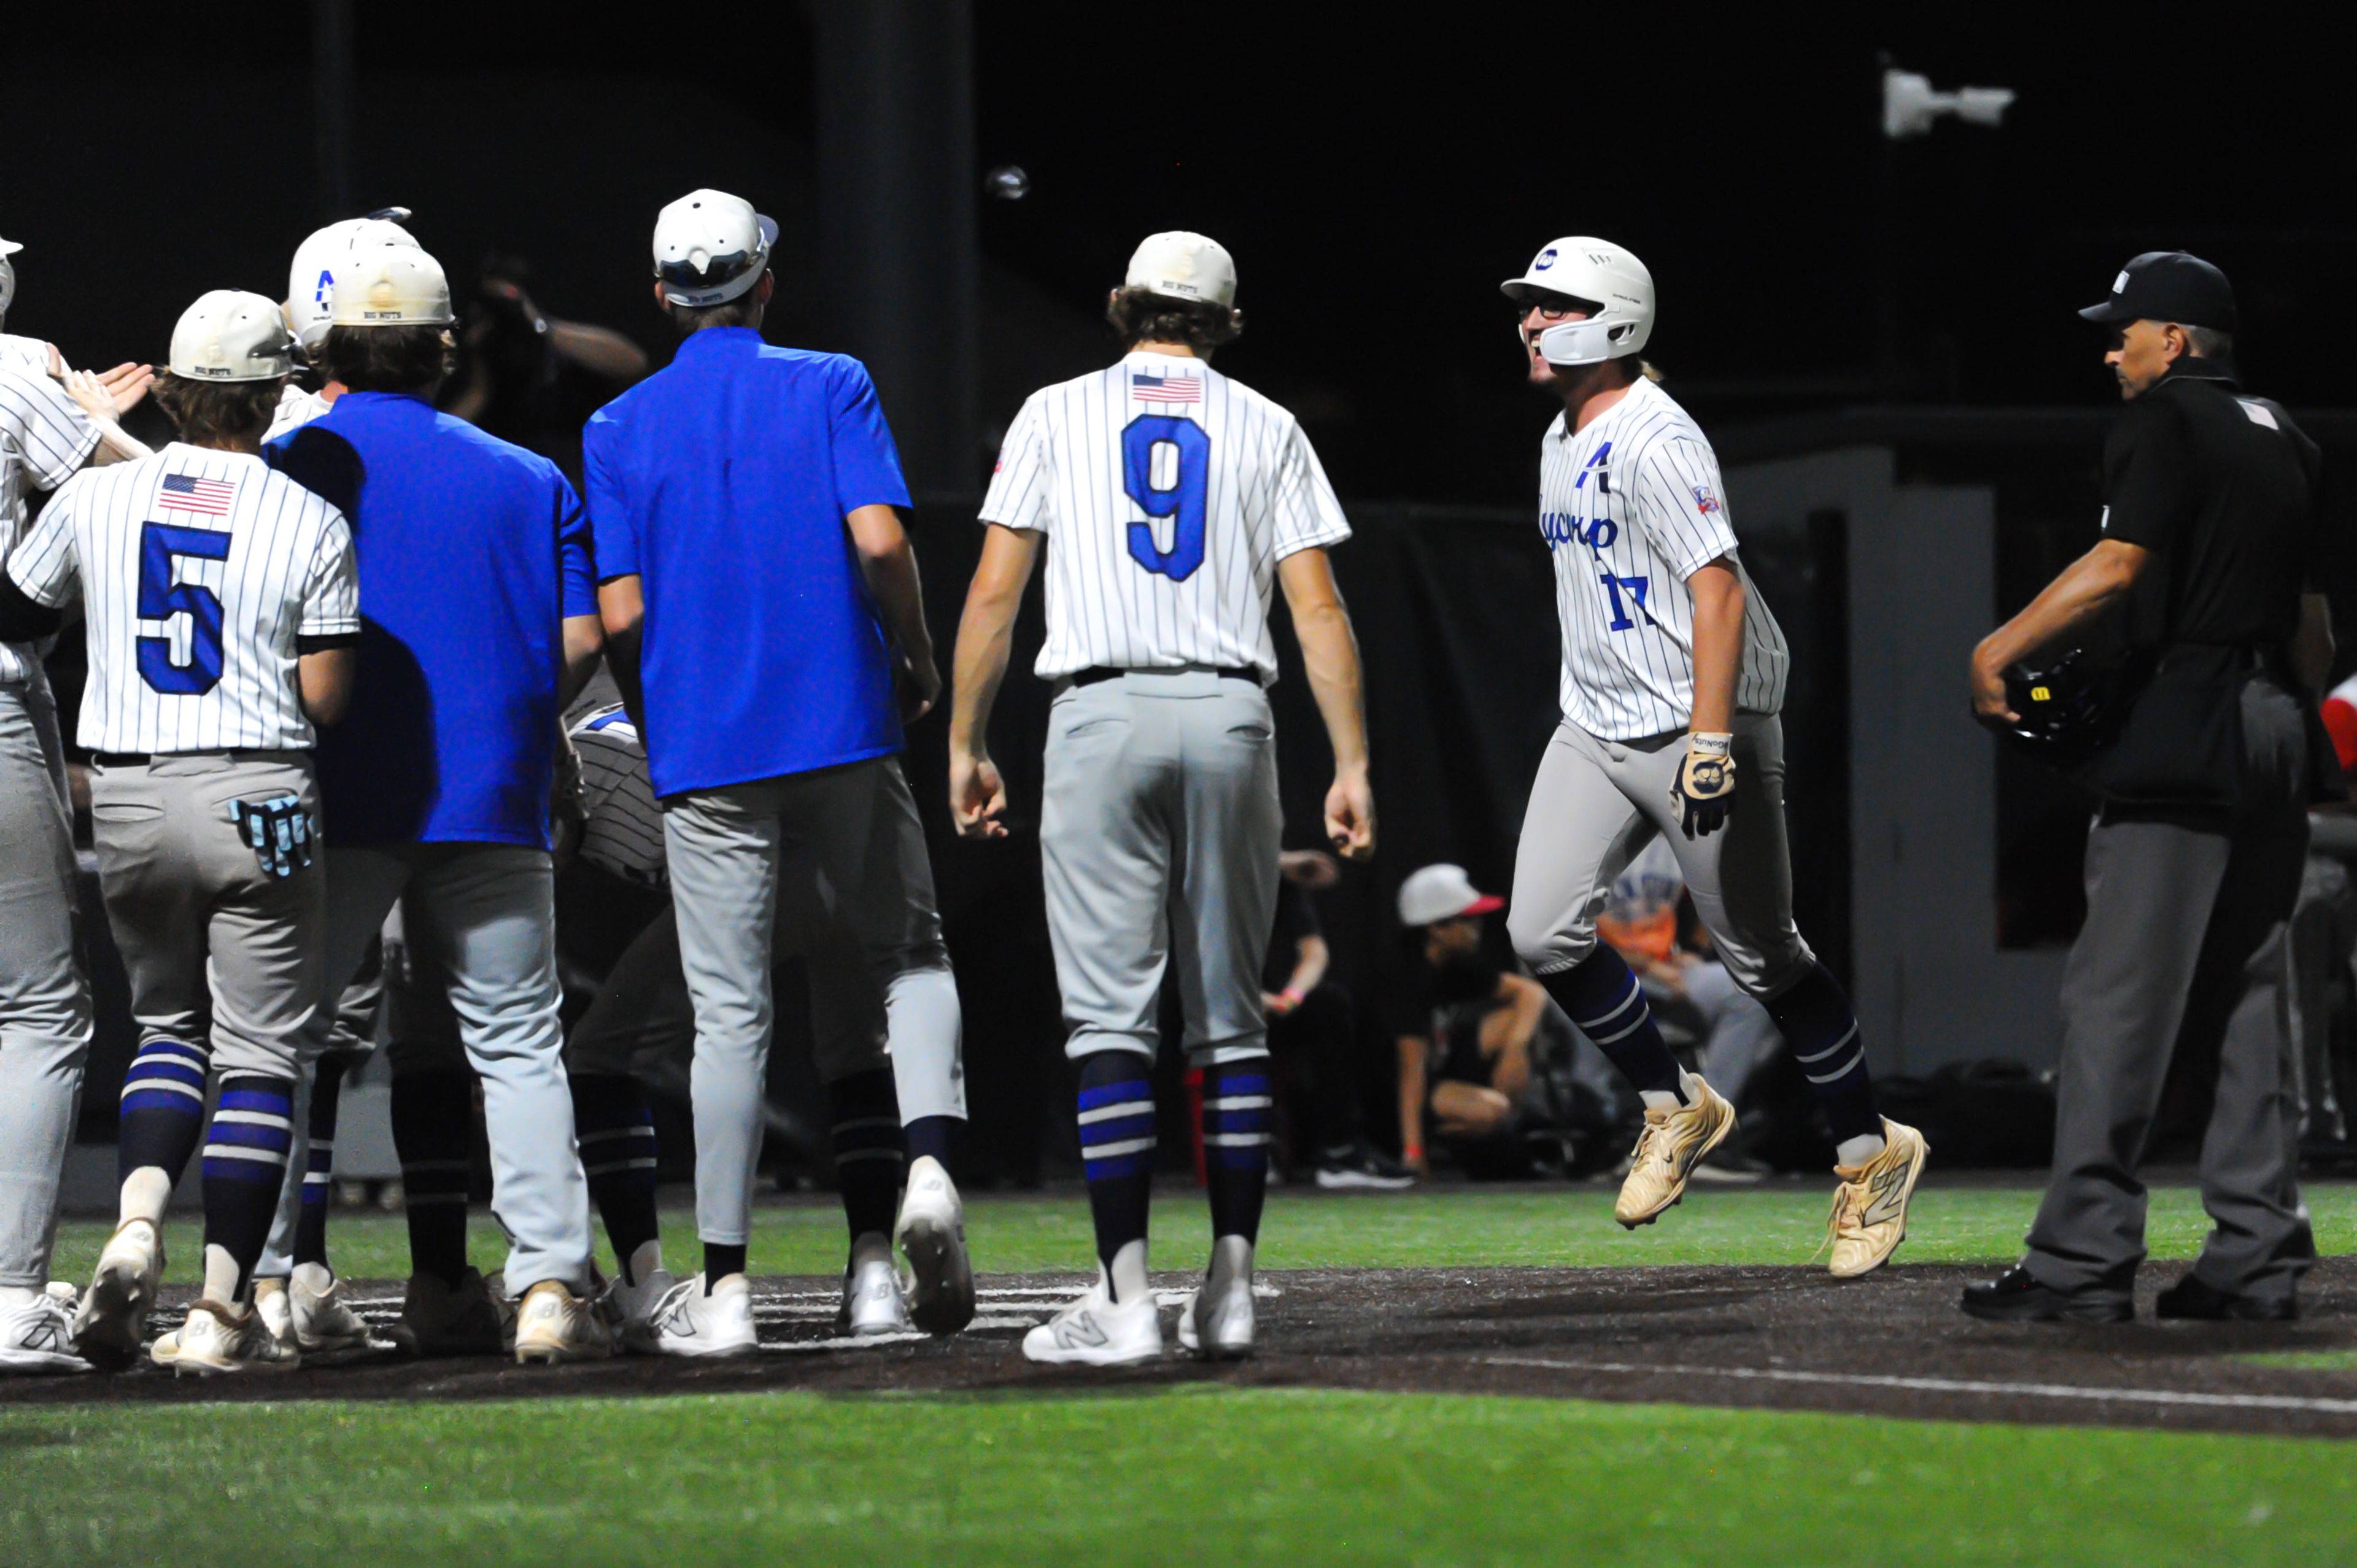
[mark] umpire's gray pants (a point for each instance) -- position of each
(2184, 939)
(756, 869)
(1597, 803)
(1158, 837)
(483, 915)
(45, 1018)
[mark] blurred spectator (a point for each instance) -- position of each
(1313, 1036)
(1485, 1058)
(529, 378)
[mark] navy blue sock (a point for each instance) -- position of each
(721, 1260)
(1602, 996)
(162, 1113)
(319, 1162)
(245, 1167)
(434, 1134)
(1236, 1105)
(616, 1127)
(1117, 1148)
(939, 1136)
(870, 1152)
(1820, 1026)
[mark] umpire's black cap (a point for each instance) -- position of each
(2168, 285)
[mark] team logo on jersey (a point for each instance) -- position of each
(1547, 259)
(1704, 502)
(1174, 388)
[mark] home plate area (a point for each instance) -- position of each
(1892, 1344)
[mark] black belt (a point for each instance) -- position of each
(141, 758)
(1097, 672)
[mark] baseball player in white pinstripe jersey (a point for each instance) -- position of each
(1673, 674)
(1171, 501)
(220, 609)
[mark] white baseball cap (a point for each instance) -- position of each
(230, 335)
(311, 281)
(1181, 265)
(1579, 266)
(710, 247)
(1442, 892)
(389, 286)
(7, 274)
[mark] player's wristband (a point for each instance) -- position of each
(1710, 743)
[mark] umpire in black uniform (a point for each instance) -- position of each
(2203, 576)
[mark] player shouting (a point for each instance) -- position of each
(1672, 673)
(1172, 501)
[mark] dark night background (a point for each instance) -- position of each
(1376, 171)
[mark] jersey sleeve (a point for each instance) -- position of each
(1308, 515)
(613, 530)
(866, 463)
(2150, 493)
(43, 565)
(1680, 505)
(48, 427)
(577, 568)
(332, 598)
(1017, 497)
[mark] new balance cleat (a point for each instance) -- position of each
(37, 1335)
(1869, 1212)
(872, 1302)
(321, 1320)
(1216, 1323)
(553, 1326)
(1672, 1145)
(631, 1309)
(277, 1315)
(1096, 1331)
(217, 1339)
(112, 1318)
(931, 1234)
(442, 1319)
(689, 1322)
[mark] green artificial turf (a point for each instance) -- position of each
(1447, 1228)
(1200, 1475)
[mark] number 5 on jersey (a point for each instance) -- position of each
(1165, 464)
(160, 599)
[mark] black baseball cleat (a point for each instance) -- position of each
(2197, 1299)
(2016, 1296)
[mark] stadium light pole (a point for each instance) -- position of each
(333, 76)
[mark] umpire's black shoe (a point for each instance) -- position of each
(2196, 1298)
(2016, 1296)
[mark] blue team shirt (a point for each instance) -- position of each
(472, 551)
(722, 482)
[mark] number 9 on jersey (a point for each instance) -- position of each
(1186, 467)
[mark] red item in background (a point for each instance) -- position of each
(2341, 721)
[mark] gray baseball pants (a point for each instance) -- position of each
(45, 1016)
(1596, 803)
(2184, 938)
(481, 915)
(758, 869)
(216, 948)
(1159, 840)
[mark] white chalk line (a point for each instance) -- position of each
(1950, 1385)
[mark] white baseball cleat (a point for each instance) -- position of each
(932, 1233)
(37, 1335)
(220, 1339)
(1096, 1331)
(112, 1317)
(689, 1322)
(271, 1304)
(872, 1302)
(320, 1318)
(1216, 1323)
(554, 1326)
(631, 1309)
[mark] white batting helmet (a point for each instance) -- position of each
(710, 247)
(1597, 273)
(311, 281)
(389, 286)
(1181, 265)
(230, 335)
(7, 275)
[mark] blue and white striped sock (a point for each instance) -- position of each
(1117, 1138)
(162, 1112)
(1601, 996)
(245, 1167)
(1237, 1105)
(1821, 1026)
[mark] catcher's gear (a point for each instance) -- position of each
(2069, 711)
(1608, 278)
(710, 247)
(1705, 787)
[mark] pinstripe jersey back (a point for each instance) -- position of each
(44, 437)
(199, 570)
(1167, 494)
(1631, 508)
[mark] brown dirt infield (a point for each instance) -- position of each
(1757, 1337)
